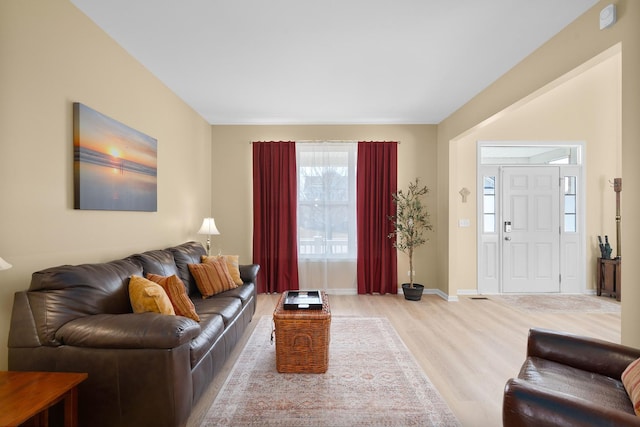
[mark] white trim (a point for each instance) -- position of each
(341, 291)
(438, 292)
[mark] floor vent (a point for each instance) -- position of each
(479, 298)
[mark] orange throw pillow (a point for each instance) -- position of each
(147, 296)
(177, 293)
(210, 278)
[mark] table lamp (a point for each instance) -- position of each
(209, 228)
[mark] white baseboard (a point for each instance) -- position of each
(437, 292)
(341, 291)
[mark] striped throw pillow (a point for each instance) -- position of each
(233, 266)
(211, 278)
(177, 293)
(631, 381)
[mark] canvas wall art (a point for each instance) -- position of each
(115, 166)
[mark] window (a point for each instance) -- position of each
(326, 200)
(529, 155)
(489, 204)
(570, 221)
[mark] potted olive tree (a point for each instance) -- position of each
(410, 223)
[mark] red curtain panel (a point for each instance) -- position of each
(376, 180)
(275, 239)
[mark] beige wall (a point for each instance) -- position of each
(583, 106)
(572, 47)
(232, 174)
(53, 55)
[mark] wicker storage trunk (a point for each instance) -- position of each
(302, 338)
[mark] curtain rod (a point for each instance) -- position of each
(316, 141)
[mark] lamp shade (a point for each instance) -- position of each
(208, 227)
(4, 265)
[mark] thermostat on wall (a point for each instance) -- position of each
(608, 16)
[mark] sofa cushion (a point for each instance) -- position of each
(227, 307)
(177, 293)
(147, 296)
(562, 378)
(185, 254)
(72, 291)
(211, 278)
(245, 293)
(631, 381)
(212, 327)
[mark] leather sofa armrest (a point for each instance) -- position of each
(129, 330)
(23, 331)
(249, 272)
(588, 354)
(527, 405)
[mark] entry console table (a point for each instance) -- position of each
(29, 395)
(609, 277)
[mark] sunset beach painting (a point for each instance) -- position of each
(115, 166)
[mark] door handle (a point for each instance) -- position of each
(508, 238)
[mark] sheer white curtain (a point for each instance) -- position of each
(327, 215)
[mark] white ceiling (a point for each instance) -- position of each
(330, 61)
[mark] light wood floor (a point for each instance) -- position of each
(468, 349)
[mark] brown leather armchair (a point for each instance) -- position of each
(570, 380)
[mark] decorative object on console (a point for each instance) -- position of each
(409, 224)
(115, 167)
(605, 248)
(4, 265)
(209, 228)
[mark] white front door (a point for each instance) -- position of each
(530, 229)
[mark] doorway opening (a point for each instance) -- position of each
(530, 216)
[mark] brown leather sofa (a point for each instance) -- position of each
(144, 369)
(569, 380)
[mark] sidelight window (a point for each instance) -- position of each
(489, 204)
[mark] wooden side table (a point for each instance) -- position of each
(27, 395)
(609, 278)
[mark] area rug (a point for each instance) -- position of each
(372, 380)
(560, 303)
